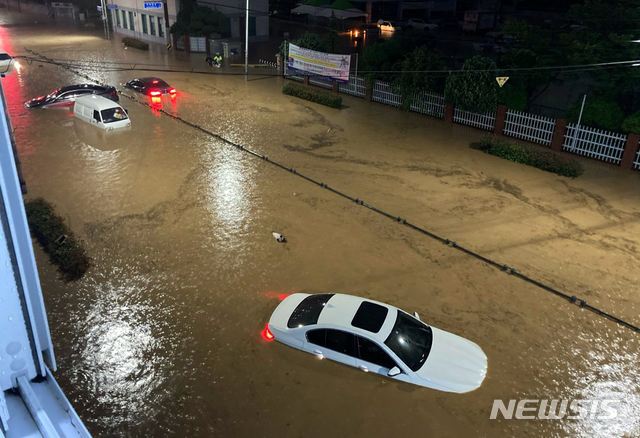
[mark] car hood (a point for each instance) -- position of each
(455, 364)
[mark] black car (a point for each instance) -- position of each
(68, 95)
(153, 87)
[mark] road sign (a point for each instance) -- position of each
(153, 5)
(502, 80)
(112, 6)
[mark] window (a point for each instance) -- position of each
(372, 352)
(4, 57)
(131, 25)
(117, 14)
(317, 337)
(160, 28)
(144, 23)
(96, 115)
(87, 111)
(370, 316)
(113, 115)
(124, 19)
(308, 311)
(341, 342)
(152, 25)
(410, 340)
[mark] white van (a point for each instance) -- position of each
(101, 112)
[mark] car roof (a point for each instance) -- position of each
(79, 86)
(149, 80)
(341, 309)
(98, 102)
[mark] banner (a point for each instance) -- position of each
(312, 63)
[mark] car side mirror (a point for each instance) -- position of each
(416, 316)
(394, 372)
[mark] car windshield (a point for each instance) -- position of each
(410, 340)
(113, 115)
(308, 311)
(54, 94)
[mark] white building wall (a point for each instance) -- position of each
(136, 7)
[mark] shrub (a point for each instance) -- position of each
(547, 160)
(599, 112)
(136, 44)
(64, 249)
(632, 123)
(321, 97)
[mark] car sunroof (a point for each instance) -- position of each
(370, 317)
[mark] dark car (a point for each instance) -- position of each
(68, 95)
(153, 87)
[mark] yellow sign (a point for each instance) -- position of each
(502, 80)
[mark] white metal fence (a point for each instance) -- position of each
(482, 121)
(536, 129)
(319, 81)
(636, 164)
(430, 104)
(355, 87)
(595, 143)
(383, 92)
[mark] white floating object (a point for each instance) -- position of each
(279, 237)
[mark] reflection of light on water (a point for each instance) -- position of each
(228, 190)
(602, 368)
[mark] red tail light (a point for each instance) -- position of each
(154, 93)
(172, 91)
(154, 82)
(267, 334)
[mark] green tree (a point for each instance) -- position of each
(308, 40)
(600, 112)
(415, 76)
(474, 87)
(198, 20)
(382, 56)
(632, 123)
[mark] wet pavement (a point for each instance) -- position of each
(162, 337)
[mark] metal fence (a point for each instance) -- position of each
(536, 129)
(355, 87)
(180, 43)
(319, 81)
(636, 164)
(383, 92)
(198, 44)
(482, 121)
(595, 143)
(430, 104)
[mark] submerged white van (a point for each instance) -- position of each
(102, 112)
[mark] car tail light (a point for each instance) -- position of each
(154, 93)
(154, 82)
(172, 91)
(266, 333)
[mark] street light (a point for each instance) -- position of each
(246, 43)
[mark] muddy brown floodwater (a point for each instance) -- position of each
(162, 337)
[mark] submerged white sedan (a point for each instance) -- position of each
(380, 338)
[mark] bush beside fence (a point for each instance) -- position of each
(313, 95)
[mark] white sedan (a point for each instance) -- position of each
(379, 338)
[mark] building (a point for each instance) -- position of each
(147, 21)
(150, 21)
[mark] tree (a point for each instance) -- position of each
(632, 123)
(415, 76)
(197, 20)
(382, 56)
(474, 87)
(308, 40)
(600, 112)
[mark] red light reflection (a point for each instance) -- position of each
(266, 334)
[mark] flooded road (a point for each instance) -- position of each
(162, 337)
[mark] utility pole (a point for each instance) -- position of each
(246, 43)
(105, 20)
(577, 132)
